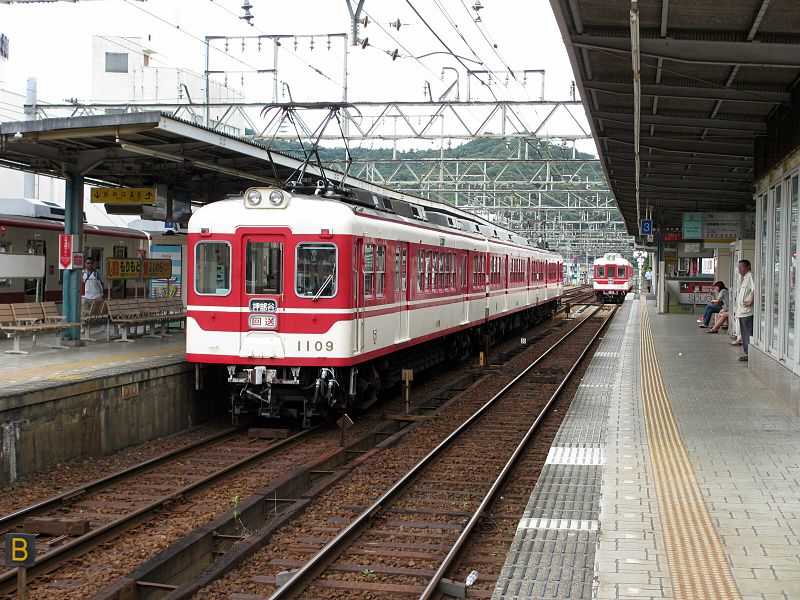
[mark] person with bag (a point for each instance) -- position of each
(92, 286)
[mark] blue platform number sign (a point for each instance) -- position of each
(647, 227)
(20, 550)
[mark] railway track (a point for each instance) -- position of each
(408, 540)
(120, 502)
(79, 520)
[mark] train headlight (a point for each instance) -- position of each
(254, 198)
(276, 198)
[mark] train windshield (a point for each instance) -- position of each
(316, 271)
(600, 271)
(621, 272)
(212, 270)
(264, 268)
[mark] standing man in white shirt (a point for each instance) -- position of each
(744, 305)
(92, 286)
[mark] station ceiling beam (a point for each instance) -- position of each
(701, 49)
(693, 92)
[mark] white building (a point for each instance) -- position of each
(124, 71)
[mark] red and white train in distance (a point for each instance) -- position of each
(613, 278)
(316, 302)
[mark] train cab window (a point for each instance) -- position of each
(315, 271)
(263, 267)
(600, 271)
(621, 272)
(212, 268)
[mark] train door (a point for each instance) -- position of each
(358, 291)
(34, 289)
(402, 291)
(262, 289)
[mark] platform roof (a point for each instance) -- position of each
(141, 148)
(713, 73)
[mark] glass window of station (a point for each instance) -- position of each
(775, 270)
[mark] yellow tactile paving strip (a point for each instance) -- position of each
(79, 368)
(697, 561)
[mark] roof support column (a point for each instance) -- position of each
(73, 224)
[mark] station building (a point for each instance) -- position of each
(717, 106)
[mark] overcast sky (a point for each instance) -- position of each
(53, 41)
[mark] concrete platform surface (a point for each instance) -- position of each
(682, 479)
(44, 367)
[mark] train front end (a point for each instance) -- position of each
(612, 278)
(271, 300)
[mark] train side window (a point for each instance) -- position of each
(475, 262)
(428, 270)
(369, 270)
(263, 267)
(315, 270)
(404, 270)
(397, 269)
(420, 270)
(440, 282)
(212, 268)
(380, 269)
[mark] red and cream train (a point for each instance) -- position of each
(613, 278)
(315, 302)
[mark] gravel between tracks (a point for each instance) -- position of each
(68, 475)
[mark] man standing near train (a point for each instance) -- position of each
(92, 286)
(744, 305)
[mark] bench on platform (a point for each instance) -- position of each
(132, 313)
(32, 318)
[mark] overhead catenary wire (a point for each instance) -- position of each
(400, 44)
(494, 49)
(449, 50)
(458, 31)
(286, 49)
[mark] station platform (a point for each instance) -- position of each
(58, 405)
(676, 474)
(44, 367)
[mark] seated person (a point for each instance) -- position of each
(722, 318)
(719, 302)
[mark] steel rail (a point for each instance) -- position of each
(52, 560)
(11, 519)
(497, 486)
(303, 577)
